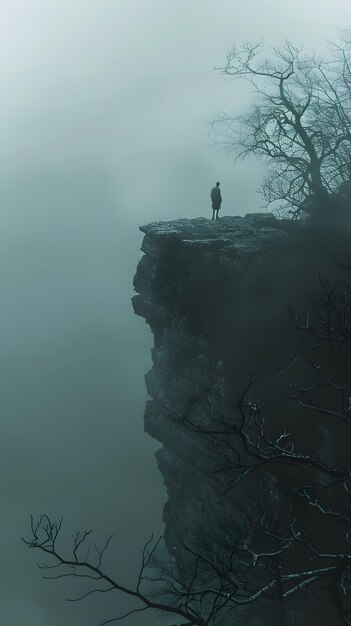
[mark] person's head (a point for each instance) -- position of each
(217, 184)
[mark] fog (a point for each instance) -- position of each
(105, 111)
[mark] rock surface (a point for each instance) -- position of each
(212, 292)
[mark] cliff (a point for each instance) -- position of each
(214, 294)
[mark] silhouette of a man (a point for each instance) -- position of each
(216, 200)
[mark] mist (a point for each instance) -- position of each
(105, 119)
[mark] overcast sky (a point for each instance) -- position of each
(104, 111)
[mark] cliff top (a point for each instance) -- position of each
(188, 263)
(234, 234)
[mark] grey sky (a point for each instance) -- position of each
(104, 115)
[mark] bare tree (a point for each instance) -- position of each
(201, 586)
(299, 123)
(278, 458)
(292, 424)
(85, 560)
(208, 582)
(279, 462)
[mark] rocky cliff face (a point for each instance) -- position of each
(214, 294)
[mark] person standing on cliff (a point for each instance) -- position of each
(216, 198)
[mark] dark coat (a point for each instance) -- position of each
(216, 198)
